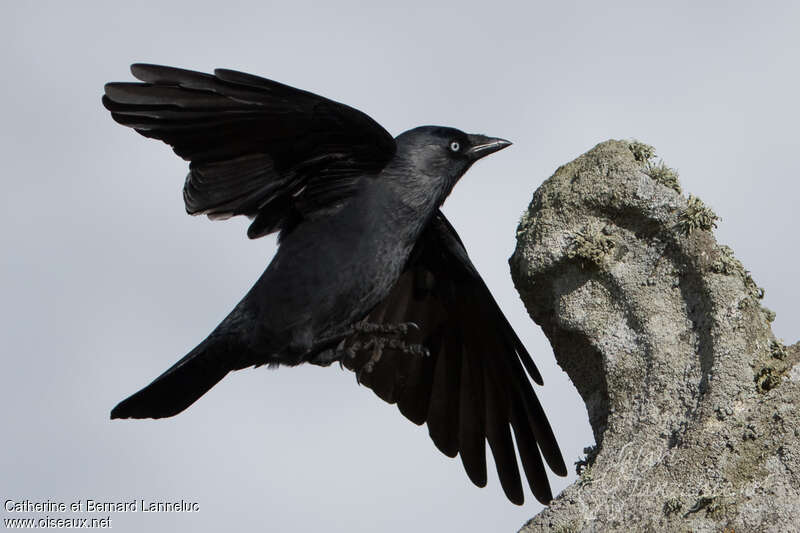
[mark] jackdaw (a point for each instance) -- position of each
(368, 270)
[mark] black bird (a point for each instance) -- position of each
(368, 272)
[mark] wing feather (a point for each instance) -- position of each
(257, 147)
(474, 387)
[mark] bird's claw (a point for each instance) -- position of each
(378, 344)
(401, 328)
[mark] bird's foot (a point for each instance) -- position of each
(377, 345)
(401, 328)
(364, 336)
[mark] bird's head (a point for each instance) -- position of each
(444, 153)
(430, 160)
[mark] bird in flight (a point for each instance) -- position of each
(368, 271)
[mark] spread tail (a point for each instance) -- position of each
(181, 385)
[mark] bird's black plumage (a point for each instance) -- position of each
(363, 245)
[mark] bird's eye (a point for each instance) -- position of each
(454, 146)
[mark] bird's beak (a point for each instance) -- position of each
(481, 146)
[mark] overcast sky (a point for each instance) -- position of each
(106, 281)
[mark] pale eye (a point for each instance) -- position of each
(454, 146)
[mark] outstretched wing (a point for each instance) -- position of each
(257, 147)
(473, 387)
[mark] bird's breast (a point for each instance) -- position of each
(331, 272)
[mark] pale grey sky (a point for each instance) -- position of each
(106, 282)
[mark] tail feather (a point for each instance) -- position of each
(180, 386)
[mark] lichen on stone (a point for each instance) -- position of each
(664, 175)
(756, 292)
(590, 244)
(773, 368)
(697, 215)
(587, 477)
(702, 503)
(726, 263)
(721, 507)
(584, 463)
(778, 350)
(572, 527)
(672, 506)
(641, 151)
(767, 379)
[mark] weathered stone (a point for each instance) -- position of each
(692, 400)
